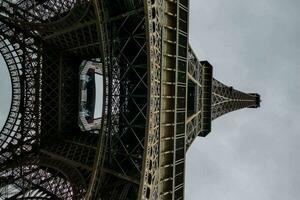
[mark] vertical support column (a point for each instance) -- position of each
(150, 181)
(181, 93)
(173, 100)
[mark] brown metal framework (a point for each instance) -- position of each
(158, 97)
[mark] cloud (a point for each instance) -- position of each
(250, 154)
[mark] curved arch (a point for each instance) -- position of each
(53, 21)
(97, 174)
(35, 170)
(38, 11)
(10, 55)
(22, 125)
(70, 173)
(149, 187)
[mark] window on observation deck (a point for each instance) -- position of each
(191, 108)
(99, 96)
(91, 95)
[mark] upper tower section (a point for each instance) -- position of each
(209, 99)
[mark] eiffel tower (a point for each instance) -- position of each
(157, 98)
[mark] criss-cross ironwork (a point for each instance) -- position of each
(157, 98)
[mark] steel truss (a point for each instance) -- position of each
(224, 99)
(158, 97)
(21, 53)
(31, 38)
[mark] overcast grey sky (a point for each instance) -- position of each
(5, 92)
(252, 153)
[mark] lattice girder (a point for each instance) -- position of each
(129, 94)
(21, 130)
(158, 97)
(48, 176)
(222, 99)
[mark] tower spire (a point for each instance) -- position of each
(227, 99)
(209, 99)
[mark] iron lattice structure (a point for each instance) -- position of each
(158, 97)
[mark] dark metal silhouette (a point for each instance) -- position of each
(158, 97)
